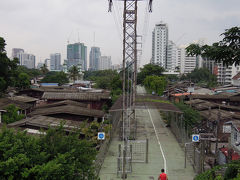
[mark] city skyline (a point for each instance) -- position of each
(58, 22)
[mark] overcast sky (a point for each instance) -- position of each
(42, 27)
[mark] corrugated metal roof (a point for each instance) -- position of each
(46, 122)
(5, 102)
(68, 109)
(84, 96)
(25, 99)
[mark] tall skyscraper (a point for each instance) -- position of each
(55, 62)
(77, 55)
(105, 63)
(94, 58)
(159, 44)
(27, 60)
(172, 59)
(16, 51)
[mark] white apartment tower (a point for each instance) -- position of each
(105, 63)
(159, 44)
(172, 56)
(187, 63)
(55, 62)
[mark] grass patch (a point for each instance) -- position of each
(153, 100)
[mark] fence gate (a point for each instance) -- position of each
(139, 150)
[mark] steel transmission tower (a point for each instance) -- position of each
(129, 73)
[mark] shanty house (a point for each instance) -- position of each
(24, 108)
(34, 124)
(94, 100)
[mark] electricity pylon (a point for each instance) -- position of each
(130, 54)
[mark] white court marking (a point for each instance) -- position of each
(160, 146)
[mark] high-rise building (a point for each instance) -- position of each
(77, 55)
(159, 44)
(27, 60)
(94, 58)
(172, 56)
(105, 63)
(55, 62)
(47, 62)
(16, 51)
(187, 63)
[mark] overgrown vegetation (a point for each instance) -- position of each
(50, 156)
(190, 116)
(106, 79)
(232, 172)
(11, 74)
(149, 70)
(55, 77)
(201, 77)
(12, 115)
(156, 84)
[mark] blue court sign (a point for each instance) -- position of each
(101, 136)
(195, 138)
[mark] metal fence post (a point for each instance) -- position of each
(146, 150)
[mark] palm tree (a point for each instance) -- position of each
(74, 73)
(44, 69)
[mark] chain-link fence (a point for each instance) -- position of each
(183, 136)
(114, 118)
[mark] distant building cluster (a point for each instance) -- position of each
(174, 58)
(76, 56)
(25, 59)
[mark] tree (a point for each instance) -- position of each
(149, 70)
(202, 77)
(55, 77)
(7, 67)
(23, 81)
(44, 70)
(191, 116)
(12, 114)
(156, 84)
(51, 156)
(74, 73)
(226, 51)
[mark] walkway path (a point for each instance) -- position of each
(164, 150)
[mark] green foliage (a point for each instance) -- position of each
(44, 69)
(7, 67)
(74, 73)
(50, 156)
(227, 50)
(172, 78)
(155, 83)
(3, 85)
(55, 77)
(202, 77)
(191, 116)
(231, 173)
(23, 81)
(106, 79)
(12, 114)
(149, 70)
(11, 74)
(32, 73)
(153, 100)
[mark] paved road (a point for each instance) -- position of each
(164, 151)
